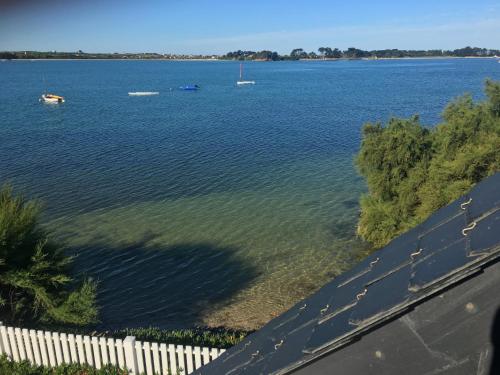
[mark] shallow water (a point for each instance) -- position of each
(222, 206)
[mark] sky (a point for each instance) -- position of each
(219, 26)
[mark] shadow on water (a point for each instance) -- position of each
(143, 283)
(495, 341)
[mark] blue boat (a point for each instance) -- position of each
(189, 87)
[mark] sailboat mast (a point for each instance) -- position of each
(241, 71)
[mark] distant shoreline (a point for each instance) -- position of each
(405, 58)
(111, 59)
(430, 58)
(322, 53)
(308, 60)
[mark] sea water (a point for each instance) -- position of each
(221, 206)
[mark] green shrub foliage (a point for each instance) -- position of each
(412, 170)
(211, 337)
(8, 367)
(35, 285)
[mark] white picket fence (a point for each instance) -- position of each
(138, 357)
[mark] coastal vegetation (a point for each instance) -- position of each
(209, 337)
(8, 367)
(27, 55)
(354, 53)
(412, 170)
(35, 281)
(213, 337)
(265, 55)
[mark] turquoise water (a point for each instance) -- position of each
(222, 206)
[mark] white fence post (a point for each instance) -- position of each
(65, 348)
(130, 355)
(36, 348)
(43, 349)
(13, 345)
(19, 343)
(206, 355)
(180, 360)
(172, 358)
(120, 352)
(139, 356)
(2, 350)
(155, 349)
(96, 352)
(5, 340)
(189, 359)
(27, 345)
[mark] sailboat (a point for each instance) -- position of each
(50, 98)
(241, 81)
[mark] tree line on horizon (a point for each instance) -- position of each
(355, 53)
(264, 55)
(27, 55)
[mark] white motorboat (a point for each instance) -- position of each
(143, 93)
(51, 98)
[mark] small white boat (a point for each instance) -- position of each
(242, 82)
(143, 93)
(51, 98)
(245, 82)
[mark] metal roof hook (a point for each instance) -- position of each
(462, 206)
(372, 263)
(469, 228)
(322, 311)
(276, 347)
(362, 294)
(416, 253)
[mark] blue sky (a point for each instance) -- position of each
(218, 26)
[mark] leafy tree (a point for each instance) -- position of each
(275, 56)
(354, 53)
(34, 272)
(493, 92)
(325, 51)
(412, 170)
(335, 53)
(330, 53)
(298, 53)
(7, 55)
(266, 55)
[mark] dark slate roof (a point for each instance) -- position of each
(453, 244)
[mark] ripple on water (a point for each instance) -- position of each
(220, 207)
(270, 238)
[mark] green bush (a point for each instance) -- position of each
(8, 367)
(211, 337)
(35, 285)
(412, 170)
